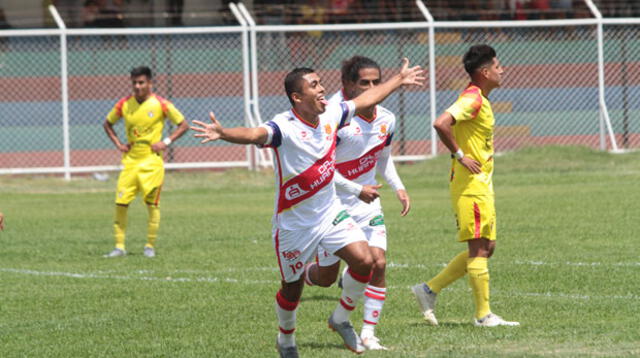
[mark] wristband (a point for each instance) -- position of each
(167, 141)
(459, 154)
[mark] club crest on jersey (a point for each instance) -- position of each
(383, 131)
(294, 191)
(327, 128)
(291, 255)
(150, 114)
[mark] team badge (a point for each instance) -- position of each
(327, 128)
(150, 114)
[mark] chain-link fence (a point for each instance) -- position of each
(324, 51)
(198, 73)
(549, 95)
(622, 73)
(30, 108)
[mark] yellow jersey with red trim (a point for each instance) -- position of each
(143, 122)
(473, 131)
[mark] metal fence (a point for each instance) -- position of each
(56, 86)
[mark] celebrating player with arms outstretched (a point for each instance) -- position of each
(364, 149)
(307, 210)
(144, 114)
(466, 129)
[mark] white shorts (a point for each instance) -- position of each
(294, 248)
(371, 221)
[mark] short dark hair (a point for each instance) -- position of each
(351, 68)
(141, 71)
(293, 81)
(478, 56)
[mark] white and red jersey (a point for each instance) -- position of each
(305, 157)
(360, 145)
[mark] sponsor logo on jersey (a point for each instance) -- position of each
(342, 216)
(354, 168)
(150, 114)
(291, 255)
(377, 221)
(309, 182)
(294, 191)
(304, 135)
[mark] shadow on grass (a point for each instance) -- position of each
(321, 298)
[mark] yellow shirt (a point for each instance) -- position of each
(143, 122)
(473, 132)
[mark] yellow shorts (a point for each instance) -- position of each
(140, 175)
(475, 217)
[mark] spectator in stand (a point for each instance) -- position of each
(90, 12)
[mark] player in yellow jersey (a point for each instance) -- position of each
(466, 129)
(144, 114)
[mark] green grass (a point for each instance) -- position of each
(566, 267)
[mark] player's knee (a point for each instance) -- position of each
(492, 248)
(379, 264)
(326, 281)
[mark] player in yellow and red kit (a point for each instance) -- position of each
(144, 114)
(466, 129)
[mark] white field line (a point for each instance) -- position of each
(169, 279)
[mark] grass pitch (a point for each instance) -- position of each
(566, 266)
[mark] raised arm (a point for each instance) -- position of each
(443, 125)
(377, 94)
(240, 135)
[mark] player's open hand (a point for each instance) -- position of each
(369, 193)
(403, 196)
(210, 132)
(471, 164)
(411, 75)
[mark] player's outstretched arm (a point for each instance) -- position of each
(407, 76)
(240, 135)
(443, 125)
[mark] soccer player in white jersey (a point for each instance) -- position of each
(364, 149)
(307, 211)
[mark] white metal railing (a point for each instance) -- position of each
(442, 77)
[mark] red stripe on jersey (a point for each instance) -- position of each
(164, 104)
(476, 218)
(309, 182)
(376, 290)
(284, 303)
(473, 92)
(278, 253)
(120, 104)
(354, 168)
(158, 196)
(369, 322)
(346, 306)
(359, 278)
(374, 296)
(286, 331)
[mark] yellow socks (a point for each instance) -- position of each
(455, 269)
(479, 280)
(120, 225)
(153, 225)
